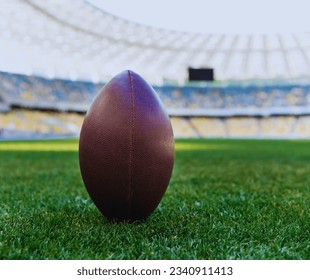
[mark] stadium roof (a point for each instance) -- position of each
(74, 39)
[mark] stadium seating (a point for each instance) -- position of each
(232, 99)
(54, 124)
(51, 123)
(256, 110)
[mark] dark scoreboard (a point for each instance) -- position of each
(200, 74)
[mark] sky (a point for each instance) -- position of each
(215, 16)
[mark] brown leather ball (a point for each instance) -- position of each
(126, 149)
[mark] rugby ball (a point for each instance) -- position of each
(126, 149)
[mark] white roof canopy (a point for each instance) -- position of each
(73, 39)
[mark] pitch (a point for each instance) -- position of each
(227, 199)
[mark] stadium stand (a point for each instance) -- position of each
(204, 99)
(256, 110)
(276, 98)
(32, 123)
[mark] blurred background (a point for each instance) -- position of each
(227, 69)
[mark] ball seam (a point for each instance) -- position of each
(131, 145)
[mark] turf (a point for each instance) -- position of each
(227, 199)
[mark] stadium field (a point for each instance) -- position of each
(227, 199)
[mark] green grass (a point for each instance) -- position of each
(227, 199)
